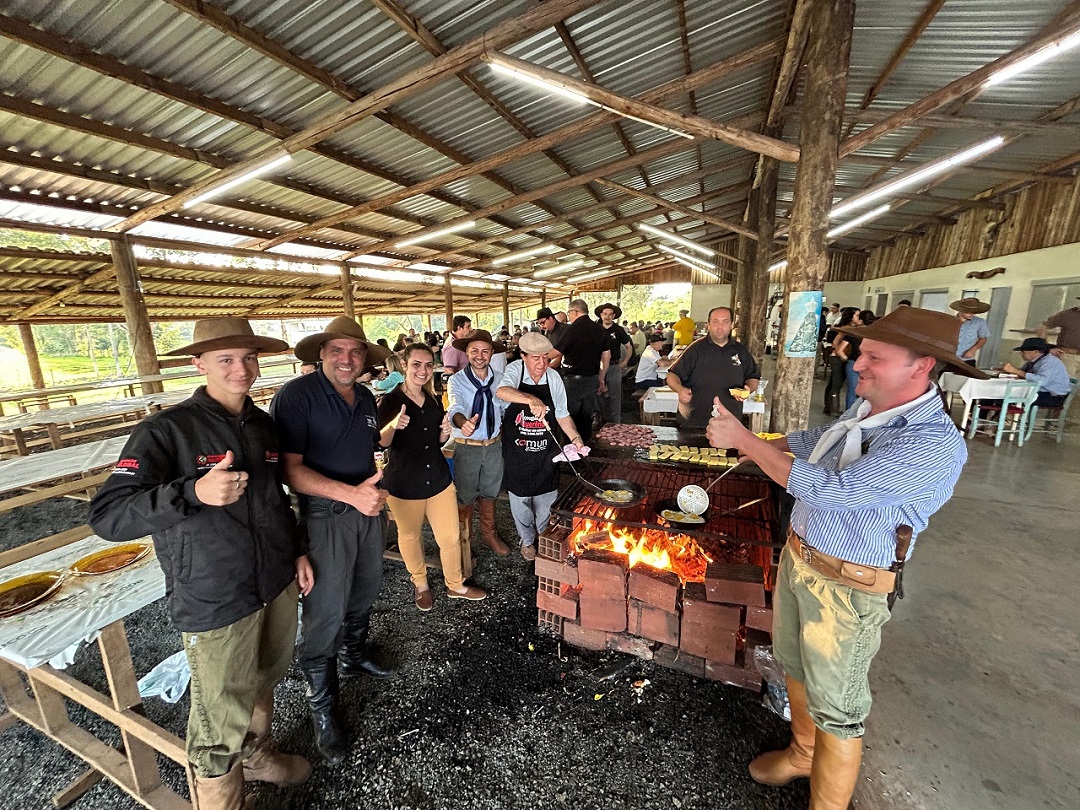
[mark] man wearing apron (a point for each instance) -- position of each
(529, 474)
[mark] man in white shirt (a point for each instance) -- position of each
(651, 364)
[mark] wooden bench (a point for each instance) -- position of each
(43, 401)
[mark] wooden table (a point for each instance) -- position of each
(971, 389)
(70, 470)
(29, 640)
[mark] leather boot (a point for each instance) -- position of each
(465, 515)
(355, 656)
(222, 792)
(780, 767)
(266, 763)
(835, 771)
(487, 528)
(322, 697)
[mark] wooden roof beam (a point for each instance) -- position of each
(682, 209)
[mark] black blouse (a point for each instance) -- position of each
(417, 469)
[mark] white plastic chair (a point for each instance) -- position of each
(1053, 421)
(1017, 403)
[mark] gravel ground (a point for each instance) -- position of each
(485, 712)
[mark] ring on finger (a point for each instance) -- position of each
(238, 483)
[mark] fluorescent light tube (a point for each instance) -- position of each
(674, 237)
(548, 86)
(522, 254)
(917, 176)
(559, 268)
(461, 226)
(697, 267)
(780, 265)
(687, 257)
(587, 276)
(1051, 51)
(862, 219)
(214, 191)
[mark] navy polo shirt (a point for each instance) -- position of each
(336, 440)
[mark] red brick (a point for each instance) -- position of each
(695, 602)
(602, 574)
(735, 583)
(674, 658)
(563, 604)
(759, 618)
(560, 572)
(733, 675)
(587, 638)
(654, 587)
(630, 645)
(553, 544)
(708, 630)
(602, 613)
(652, 623)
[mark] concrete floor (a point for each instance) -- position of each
(977, 684)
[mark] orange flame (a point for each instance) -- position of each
(653, 547)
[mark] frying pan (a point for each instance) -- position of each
(672, 505)
(618, 483)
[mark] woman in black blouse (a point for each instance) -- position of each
(417, 476)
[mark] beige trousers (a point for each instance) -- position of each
(441, 512)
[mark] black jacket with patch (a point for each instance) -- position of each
(221, 563)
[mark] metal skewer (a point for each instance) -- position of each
(589, 484)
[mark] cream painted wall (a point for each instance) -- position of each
(1022, 271)
(704, 297)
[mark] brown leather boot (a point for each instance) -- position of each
(222, 792)
(465, 514)
(835, 771)
(487, 528)
(780, 767)
(266, 763)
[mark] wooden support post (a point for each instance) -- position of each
(360, 320)
(449, 297)
(828, 50)
(757, 294)
(506, 304)
(135, 315)
(346, 291)
(543, 298)
(26, 332)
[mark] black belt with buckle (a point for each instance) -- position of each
(326, 507)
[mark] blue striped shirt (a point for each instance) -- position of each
(907, 473)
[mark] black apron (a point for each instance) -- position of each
(528, 449)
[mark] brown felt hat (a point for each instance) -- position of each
(462, 344)
(307, 350)
(214, 334)
(929, 333)
(970, 306)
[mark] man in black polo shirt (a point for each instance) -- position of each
(549, 324)
(581, 352)
(708, 368)
(618, 343)
(328, 435)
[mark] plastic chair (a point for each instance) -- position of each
(1017, 403)
(1053, 421)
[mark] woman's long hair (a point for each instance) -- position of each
(846, 316)
(412, 349)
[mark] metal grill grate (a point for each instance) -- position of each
(757, 525)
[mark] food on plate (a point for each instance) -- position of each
(111, 559)
(617, 495)
(22, 593)
(681, 517)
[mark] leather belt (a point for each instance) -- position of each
(861, 577)
(477, 442)
(318, 507)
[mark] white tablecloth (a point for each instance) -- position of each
(660, 400)
(40, 468)
(971, 389)
(82, 606)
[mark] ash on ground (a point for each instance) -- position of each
(486, 712)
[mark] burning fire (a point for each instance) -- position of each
(659, 549)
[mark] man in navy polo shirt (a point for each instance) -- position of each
(328, 436)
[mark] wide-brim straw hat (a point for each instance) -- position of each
(608, 305)
(534, 343)
(462, 344)
(307, 350)
(214, 334)
(970, 306)
(923, 331)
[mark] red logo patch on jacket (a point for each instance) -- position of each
(126, 466)
(271, 457)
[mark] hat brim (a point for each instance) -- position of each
(263, 345)
(886, 333)
(307, 350)
(462, 344)
(968, 309)
(609, 305)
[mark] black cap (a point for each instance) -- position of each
(1033, 344)
(656, 337)
(544, 312)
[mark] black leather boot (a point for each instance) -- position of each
(322, 696)
(355, 656)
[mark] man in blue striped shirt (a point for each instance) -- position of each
(892, 459)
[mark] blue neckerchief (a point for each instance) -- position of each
(482, 402)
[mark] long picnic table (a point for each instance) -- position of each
(35, 478)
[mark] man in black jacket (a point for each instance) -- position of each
(203, 479)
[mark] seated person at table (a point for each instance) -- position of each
(651, 362)
(203, 479)
(709, 368)
(394, 376)
(1045, 369)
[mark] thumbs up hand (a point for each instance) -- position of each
(221, 486)
(401, 421)
(367, 497)
(470, 425)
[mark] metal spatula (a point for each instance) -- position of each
(694, 500)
